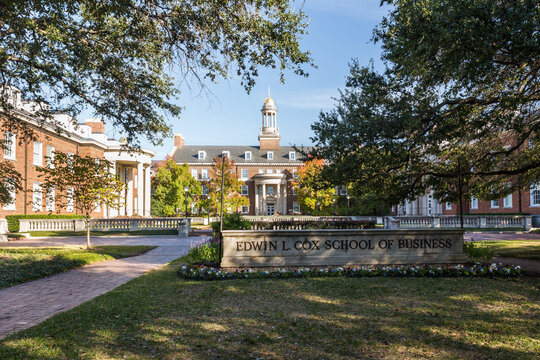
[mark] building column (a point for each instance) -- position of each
(140, 189)
(147, 191)
(264, 199)
(122, 200)
(256, 200)
(129, 197)
(279, 199)
(285, 210)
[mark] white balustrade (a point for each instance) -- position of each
(27, 225)
(480, 222)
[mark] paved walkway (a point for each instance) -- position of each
(25, 305)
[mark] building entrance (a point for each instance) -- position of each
(270, 209)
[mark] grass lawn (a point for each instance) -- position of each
(525, 249)
(160, 316)
(102, 233)
(19, 265)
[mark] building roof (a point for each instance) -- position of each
(190, 154)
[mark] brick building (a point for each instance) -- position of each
(86, 139)
(267, 169)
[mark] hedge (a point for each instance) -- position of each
(13, 220)
(311, 224)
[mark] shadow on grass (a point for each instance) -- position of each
(161, 316)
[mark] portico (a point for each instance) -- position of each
(270, 194)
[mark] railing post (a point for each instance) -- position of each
(436, 222)
(527, 222)
(483, 222)
(3, 230)
(133, 225)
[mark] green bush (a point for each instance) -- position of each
(13, 220)
(232, 222)
(478, 251)
(206, 254)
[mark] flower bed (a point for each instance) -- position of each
(477, 270)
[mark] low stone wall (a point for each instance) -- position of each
(3, 230)
(260, 248)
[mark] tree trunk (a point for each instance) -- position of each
(87, 233)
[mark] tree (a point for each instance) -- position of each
(232, 196)
(126, 59)
(82, 183)
(315, 196)
(169, 197)
(11, 182)
(456, 109)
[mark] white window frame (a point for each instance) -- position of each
(202, 155)
(343, 190)
(50, 199)
(244, 190)
(268, 192)
(204, 174)
(296, 207)
(294, 192)
(37, 154)
(295, 174)
(226, 153)
(292, 155)
(204, 190)
(11, 188)
(474, 203)
(269, 171)
(278, 171)
(50, 156)
(507, 201)
(270, 155)
(247, 155)
(261, 171)
(37, 197)
(245, 209)
(493, 202)
(244, 173)
(70, 201)
(195, 174)
(448, 205)
(534, 193)
(9, 146)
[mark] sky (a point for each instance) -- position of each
(339, 31)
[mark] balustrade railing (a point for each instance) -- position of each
(478, 222)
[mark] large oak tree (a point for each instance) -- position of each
(455, 109)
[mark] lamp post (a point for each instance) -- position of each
(186, 189)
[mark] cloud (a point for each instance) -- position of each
(316, 99)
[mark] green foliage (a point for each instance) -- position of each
(206, 254)
(314, 195)
(10, 181)
(457, 102)
(13, 220)
(232, 197)
(311, 224)
(116, 57)
(169, 198)
(232, 221)
(478, 251)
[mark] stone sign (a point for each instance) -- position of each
(252, 248)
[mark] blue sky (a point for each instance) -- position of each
(339, 31)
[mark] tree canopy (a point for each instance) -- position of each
(456, 106)
(169, 197)
(126, 59)
(232, 195)
(313, 197)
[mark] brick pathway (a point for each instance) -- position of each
(25, 305)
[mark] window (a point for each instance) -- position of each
(38, 153)
(247, 155)
(270, 190)
(343, 190)
(278, 171)
(507, 201)
(296, 207)
(294, 174)
(69, 199)
(204, 189)
(202, 155)
(204, 174)
(49, 200)
(70, 159)
(244, 173)
(261, 171)
(9, 146)
(292, 155)
(245, 209)
(494, 204)
(260, 190)
(269, 171)
(195, 174)
(98, 207)
(244, 190)
(270, 155)
(50, 156)
(294, 190)
(474, 202)
(535, 194)
(448, 205)
(226, 153)
(37, 197)
(393, 208)
(10, 187)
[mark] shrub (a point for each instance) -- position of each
(312, 224)
(477, 251)
(13, 220)
(232, 222)
(206, 254)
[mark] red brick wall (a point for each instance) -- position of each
(484, 207)
(269, 144)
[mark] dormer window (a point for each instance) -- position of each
(225, 153)
(292, 155)
(202, 155)
(270, 155)
(247, 155)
